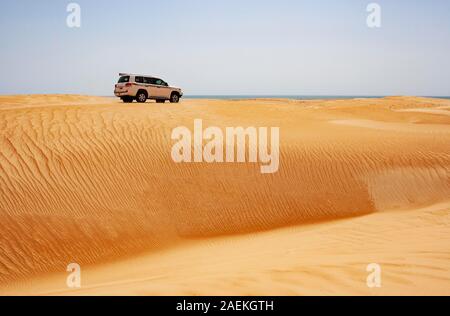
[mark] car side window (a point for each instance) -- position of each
(124, 79)
(152, 81)
(149, 80)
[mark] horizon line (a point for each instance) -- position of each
(253, 95)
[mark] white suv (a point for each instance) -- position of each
(140, 88)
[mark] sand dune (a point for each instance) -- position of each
(329, 258)
(91, 181)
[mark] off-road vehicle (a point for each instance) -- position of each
(141, 88)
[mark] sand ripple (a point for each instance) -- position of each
(88, 180)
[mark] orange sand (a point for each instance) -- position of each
(90, 180)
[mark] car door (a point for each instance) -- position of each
(164, 90)
(152, 89)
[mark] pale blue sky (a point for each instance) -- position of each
(228, 47)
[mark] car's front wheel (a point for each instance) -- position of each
(174, 98)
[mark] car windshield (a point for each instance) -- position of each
(124, 79)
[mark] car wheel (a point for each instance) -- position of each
(174, 98)
(127, 99)
(141, 97)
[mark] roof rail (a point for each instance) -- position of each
(127, 74)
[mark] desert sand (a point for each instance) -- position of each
(90, 180)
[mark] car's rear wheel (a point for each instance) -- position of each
(141, 97)
(127, 99)
(174, 98)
